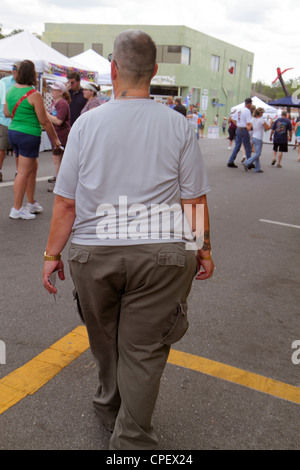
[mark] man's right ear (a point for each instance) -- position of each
(114, 70)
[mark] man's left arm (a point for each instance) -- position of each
(200, 226)
(62, 221)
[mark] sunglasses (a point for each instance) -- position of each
(110, 58)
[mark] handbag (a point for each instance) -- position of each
(20, 101)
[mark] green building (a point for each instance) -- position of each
(219, 73)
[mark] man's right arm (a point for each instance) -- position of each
(62, 221)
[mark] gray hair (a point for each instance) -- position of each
(135, 55)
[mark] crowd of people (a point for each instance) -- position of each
(23, 115)
(246, 128)
(20, 128)
(195, 117)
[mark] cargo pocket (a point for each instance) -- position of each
(78, 254)
(177, 325)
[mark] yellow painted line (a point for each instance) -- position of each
(235, 375)
(32, 376)
(29, 378)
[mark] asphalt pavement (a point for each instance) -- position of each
(246, 316)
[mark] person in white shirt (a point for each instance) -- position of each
(259, 125)
(242, 117)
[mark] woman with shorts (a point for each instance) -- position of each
(60, 118)
(24, 133)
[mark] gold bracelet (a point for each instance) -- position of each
(51, 258)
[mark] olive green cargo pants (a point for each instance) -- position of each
(134, 301)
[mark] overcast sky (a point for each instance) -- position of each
(268, 28)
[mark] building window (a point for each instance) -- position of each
(232, 67)
(215, 63)
(68, 49)
(174, 55)
(249, 71)
(97, 47)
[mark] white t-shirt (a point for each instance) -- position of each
(128, 164)
(258, 127)
(242, 117)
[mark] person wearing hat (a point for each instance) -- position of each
(90, 91)
(60, 118)
(5, 84)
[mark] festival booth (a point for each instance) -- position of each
(270, 113)
(50, 65)
(90, 58)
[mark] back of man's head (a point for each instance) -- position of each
(284, 114)
(135, 56)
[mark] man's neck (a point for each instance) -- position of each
(123, 92)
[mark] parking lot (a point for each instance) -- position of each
(232, 382)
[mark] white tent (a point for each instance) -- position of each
(258, 103)
(26, 46)
(90, 58)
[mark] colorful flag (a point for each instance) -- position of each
(187, 98)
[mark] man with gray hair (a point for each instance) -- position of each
(132, 169)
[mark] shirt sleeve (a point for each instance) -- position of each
(193, 181)
(67, 179)
(2, 93)
(62, 109)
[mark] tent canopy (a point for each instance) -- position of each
(258, 103)
(287, 101)
(90, 58)
(26, 46)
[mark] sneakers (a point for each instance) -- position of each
(278, 165)
(52, 179)
(21, 214)
(232, 165)
(35, 208)
(0, 176)
(273, 162)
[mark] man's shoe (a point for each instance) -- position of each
(35, 208)
(273, 162)
(21, 214)
(251, 166)
(245, 167)
(0, 176)
(259, 171)
(278, 166)
(52, 179)
(232, 165)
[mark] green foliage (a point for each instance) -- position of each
(275, 90)
(15, 31)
